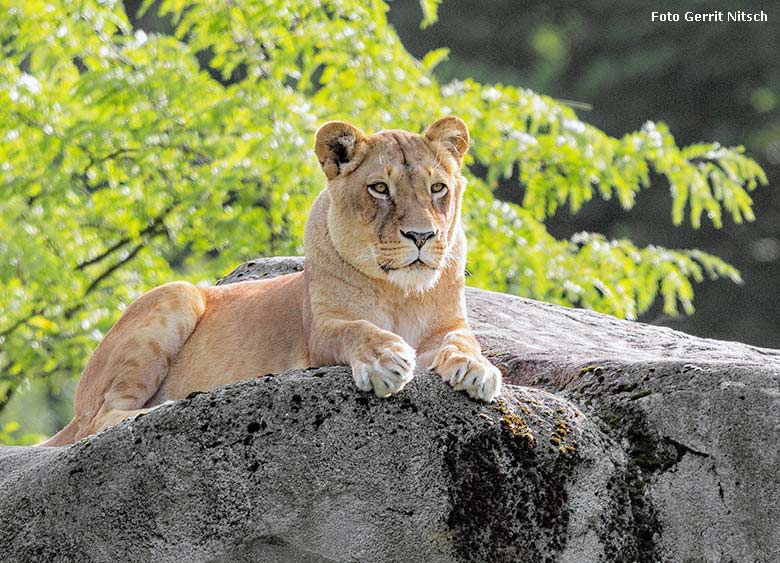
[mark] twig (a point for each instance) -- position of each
(149, 229)
(110, 270)
(20, 322)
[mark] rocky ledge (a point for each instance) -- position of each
(615, 442)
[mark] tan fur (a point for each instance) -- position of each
(361, 301)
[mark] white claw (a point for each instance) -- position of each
(388, 372)
(478, 377)
(360, 373)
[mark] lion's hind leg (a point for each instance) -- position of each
(131, 362)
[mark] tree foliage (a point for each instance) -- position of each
(131, 159)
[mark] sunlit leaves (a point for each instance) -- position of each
(611, 276)
(430, 12)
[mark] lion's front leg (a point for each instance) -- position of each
(380, 360)
(456, 356)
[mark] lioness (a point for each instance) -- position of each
(382, 289)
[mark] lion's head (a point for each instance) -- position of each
(395, 198)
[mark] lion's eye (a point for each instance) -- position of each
(438, 190)
(379, 190)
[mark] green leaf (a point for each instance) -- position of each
(430, 10)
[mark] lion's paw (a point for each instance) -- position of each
(391, 368)
(466, 372)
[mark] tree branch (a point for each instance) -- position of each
(21, 322)
(153, 225)
(110, 270)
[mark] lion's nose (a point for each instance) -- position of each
(419, 238)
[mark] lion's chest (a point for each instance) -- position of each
(411, 324)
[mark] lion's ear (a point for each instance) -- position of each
(340, 147)
(451, 133)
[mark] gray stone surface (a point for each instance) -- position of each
(699, 420)
(618, 442)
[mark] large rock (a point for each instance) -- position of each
(633, 443)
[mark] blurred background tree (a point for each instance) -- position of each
(145, 143)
